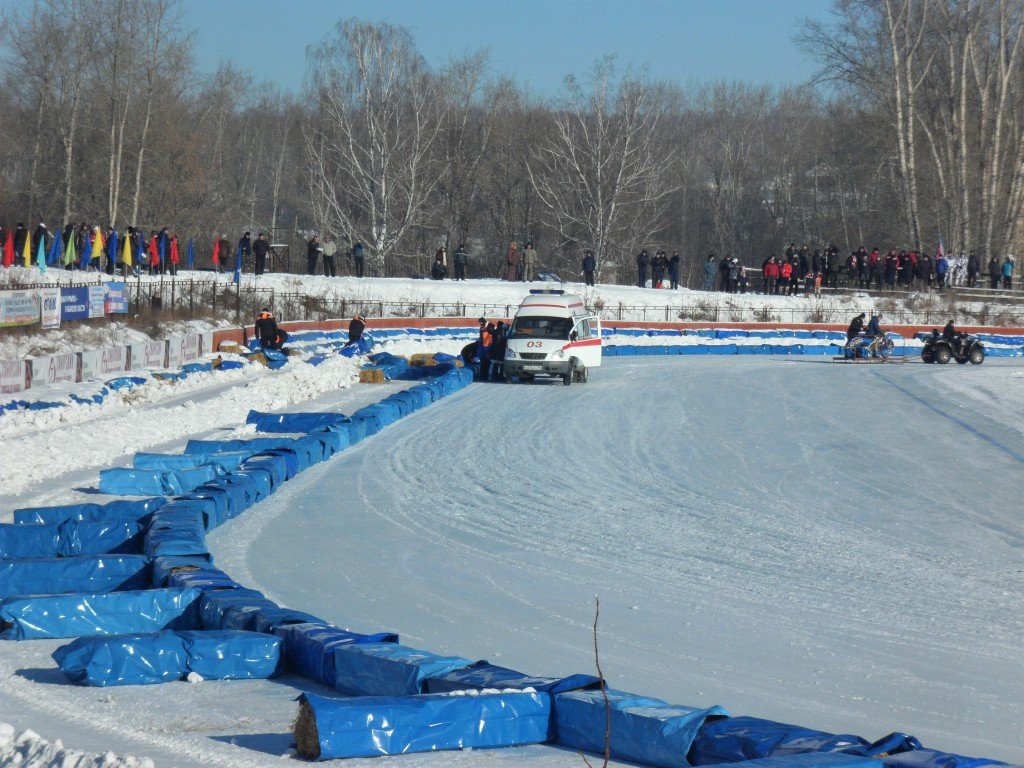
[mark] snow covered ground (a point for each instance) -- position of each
(835, 546)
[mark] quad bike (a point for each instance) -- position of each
(964, 349)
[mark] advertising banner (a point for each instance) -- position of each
(148, 355)
(74, 303)
(49, 307)
(18, 308)
(182, 349)
(117, 299)
(54, 369)
(90, 364)
(97, 300)
(13, 376)
(112, 360)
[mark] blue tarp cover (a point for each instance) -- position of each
(225, 461)
(103, 613)
(231, 655)
(254, 445)
(373, 726)
(293, 422)
(126, 481)
(644, 730)
(268, 619)
(388, 669)
(206, 577)
(135, 510)
(814, 760)
(29, 540)
(309, 648)
(176, 530)
(90, 573)
(137, 659)
(751, 738)
(231, 608)
(930, 758)
(483, 675)
(162, 566)
(93, 538)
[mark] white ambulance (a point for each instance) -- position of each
(552, 334)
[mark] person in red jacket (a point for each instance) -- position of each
(771, 275)
(785, 273)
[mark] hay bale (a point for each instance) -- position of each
(233, 347)
(291, 352)
(371, 376)
(259, 357)
(421, 359)
(307, 738)
(183, 569)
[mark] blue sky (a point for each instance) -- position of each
(537, 42)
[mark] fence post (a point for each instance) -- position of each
(214, 300)
(191, 298)
(381, 309)
(174, 283)
(238, 303)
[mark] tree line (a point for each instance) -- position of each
(913, 128)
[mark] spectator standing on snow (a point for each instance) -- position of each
(245, 244)
(709, 272)
(734, 275)
(330, 251)
(941, 268)
(355, 328)
(1007, 272)
(260, 249)
(483, 349)
(642, 260)
(358, 258)
(497, 354)
(589, 264)
(41, 235)
(267, 332)
(529, 263)
(461, 259)
(20, 233)
(673, 270)
(723, 274)
(993, 272)
(973, 268)
(313, 251)
(511, 261)
(770, 273)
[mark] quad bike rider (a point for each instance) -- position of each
(952, 345)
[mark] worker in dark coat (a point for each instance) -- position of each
(856, 326)
(642, 260)
(267, 332)
(483, 348)
(355, 328)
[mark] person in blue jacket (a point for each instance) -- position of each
(483, 349)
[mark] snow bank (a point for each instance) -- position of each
(30, 750)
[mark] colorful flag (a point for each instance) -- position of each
(86, 253)
(41, 254)
(162, 246)
(126, 252)
(216, 252)
(9, 250)
(53, 257)
(98, 244)
(174, 250)
(26, 252)
(69, 252)
(140, 252)
(237, 278)
(191, 253)
(154, 254)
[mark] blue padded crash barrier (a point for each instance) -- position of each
(90, 573)
(814, 760)
(124, 481)
(262, 481)
(134, 510)
(226, 462)
(103, 613)
(176, 531)
(275, 466)
(231, 655)
(377, 725)
(231, 608)
(484, 675)
(751, 738)
(164, 567)
(204, 577)
(136, 659)
(293, 422)
(930, 758)
(644, 730)
(388, 669)
(268, 619)
(254, 445)
(309, 648)
(70, 538)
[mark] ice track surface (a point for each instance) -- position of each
(834, 546)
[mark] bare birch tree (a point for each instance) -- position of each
(377, 118)
(602, 172)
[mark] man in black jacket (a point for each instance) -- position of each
(589, 262)
(856, 326)
(260, 249)
(642, 261)
(269, 335)
(313, 251)
(355, 328)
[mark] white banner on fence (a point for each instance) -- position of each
(18, 308)
(13, 376)
(206, 343)
(148, 355)
(54, 369)
(90, 364)
(113, 360)
(182, 349)
(49, 307)
(97, 300)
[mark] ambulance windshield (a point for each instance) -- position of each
(541, 328)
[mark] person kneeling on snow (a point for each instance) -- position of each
(355, 329)
(269, 335)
